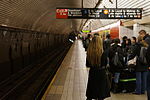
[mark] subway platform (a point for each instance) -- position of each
(71, 79)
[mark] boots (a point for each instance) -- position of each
(115, 89)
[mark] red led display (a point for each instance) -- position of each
(61, 13)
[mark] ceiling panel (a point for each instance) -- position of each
(38, 15)
(145, 4)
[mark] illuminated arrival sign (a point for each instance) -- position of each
(98, 13)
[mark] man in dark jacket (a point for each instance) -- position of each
(107, 42)
(141, 69)
(146, 38)
(148, 77)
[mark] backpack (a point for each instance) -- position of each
(118, 59)
(142, 57)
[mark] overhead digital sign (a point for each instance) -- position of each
(99, 13)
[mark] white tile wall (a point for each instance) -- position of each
(137, 28)
(125, 32)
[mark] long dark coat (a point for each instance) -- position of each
(98, 86)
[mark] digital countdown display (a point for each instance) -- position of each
(98, 13)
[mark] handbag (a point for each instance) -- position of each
(132, 61)
(108, 74)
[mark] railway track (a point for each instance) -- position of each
(30, 83)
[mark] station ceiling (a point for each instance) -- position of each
(40, 15)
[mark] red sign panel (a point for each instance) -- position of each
(62, 13)
(114, 32)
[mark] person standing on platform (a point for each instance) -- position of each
(141, 67)
(107, 42)
(123, 43)
(124, 48)
(148, 77)
(98, 86)
(87, 41)
(116, 63)
(146, 38)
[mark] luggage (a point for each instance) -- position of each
(127, 81)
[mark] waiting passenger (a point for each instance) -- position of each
(127, 50)
(98, 86)
(128, 44)
(124, 47)
(146, 38)
(148, 77)
(87, 41)
(133, 40)
(124, 39)
(116, 62)
(140, 68)
(107, 42)
(133, 44)
(132, 62)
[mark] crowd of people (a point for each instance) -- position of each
(108, 57)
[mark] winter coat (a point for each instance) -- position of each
(98, 86)
(147, 39)
(148, 56)
(136, 53)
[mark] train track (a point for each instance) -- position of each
(30, 83)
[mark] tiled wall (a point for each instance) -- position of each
(137, 28)
(125, 32)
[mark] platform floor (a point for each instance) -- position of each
(70, 80)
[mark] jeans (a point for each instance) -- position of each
(116, 77)
(148, 85)
(141, 80)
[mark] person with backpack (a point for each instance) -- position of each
(146, 38)
(139, 51)
(116, 62)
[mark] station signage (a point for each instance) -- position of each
(98, 13)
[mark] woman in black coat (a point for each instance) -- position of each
(98, 86)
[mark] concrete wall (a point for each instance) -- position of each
(125, 32)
